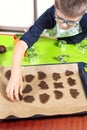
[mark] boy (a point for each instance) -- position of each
(71, 19)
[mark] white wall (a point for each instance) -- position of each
(20, 13)
(16, 12)
(42, 5)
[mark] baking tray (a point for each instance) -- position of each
(48, 90)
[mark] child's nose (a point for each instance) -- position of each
(64, 26)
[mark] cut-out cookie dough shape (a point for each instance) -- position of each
(56, 76)
(41, 75)
(68, 73)
(29, 78)
(43, 85)
(71, 81)
(8, 74)
(44, 98)
(27, 89)
(58, 94)
(29, 99)
(58, 85)
(74, 93)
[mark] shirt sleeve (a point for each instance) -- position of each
(45, 21)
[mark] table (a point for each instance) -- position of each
(47, 51)
(52, 123)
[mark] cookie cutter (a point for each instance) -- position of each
(63, 58)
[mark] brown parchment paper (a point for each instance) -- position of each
(65, 104)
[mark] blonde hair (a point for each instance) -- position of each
(72, 8)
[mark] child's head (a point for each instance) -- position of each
(72, 8)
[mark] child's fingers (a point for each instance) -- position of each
(20, 89)
(16, 94)
(10, 94)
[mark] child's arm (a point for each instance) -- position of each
(14, 87)
(45, 21)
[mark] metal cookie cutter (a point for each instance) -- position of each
(63, 58)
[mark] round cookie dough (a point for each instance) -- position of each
(2, 49)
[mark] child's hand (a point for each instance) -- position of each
(14, 87)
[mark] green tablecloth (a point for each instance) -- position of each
(45, 51)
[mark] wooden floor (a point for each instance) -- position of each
(53, 123)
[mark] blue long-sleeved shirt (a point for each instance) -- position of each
(47, 21)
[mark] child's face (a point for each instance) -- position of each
(66, 22)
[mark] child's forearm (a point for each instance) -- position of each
(18, 54)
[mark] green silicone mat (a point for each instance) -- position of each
(44, 51)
